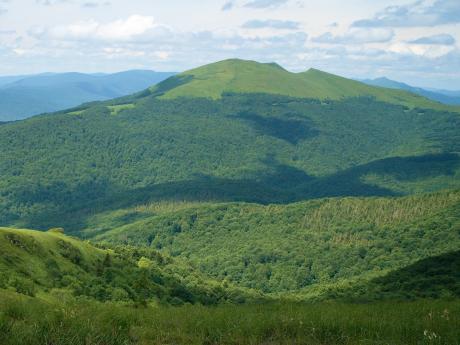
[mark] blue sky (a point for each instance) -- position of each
(412, 41)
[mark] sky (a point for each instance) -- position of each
(417, 42)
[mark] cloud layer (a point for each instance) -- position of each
(418, 14)
(101, 38)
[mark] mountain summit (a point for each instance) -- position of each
(242, 76)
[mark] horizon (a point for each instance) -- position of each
(100, 74)
(412, 42)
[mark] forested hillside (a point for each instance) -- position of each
(35, 263)
(58, 169)
(304, 245)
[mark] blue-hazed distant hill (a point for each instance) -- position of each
(442, 96)
(24, 96)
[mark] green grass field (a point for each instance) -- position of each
(37, 322)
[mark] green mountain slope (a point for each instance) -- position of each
(239, 76)
(433, 277)
(301, 246)
(59, 169)
(51, 263)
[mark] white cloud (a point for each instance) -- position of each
(133, 28)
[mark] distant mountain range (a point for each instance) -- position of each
(24, 96)
(443, 96)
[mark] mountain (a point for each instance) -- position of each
(24, 96)
(234, 182)
(59, 169)
(443, 96)
(238, 76)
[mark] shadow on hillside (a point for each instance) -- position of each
(290, 130)
(432, 277)
(278, 184)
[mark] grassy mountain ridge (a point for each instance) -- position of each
(240, 76)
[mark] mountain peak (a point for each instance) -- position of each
(246, 76)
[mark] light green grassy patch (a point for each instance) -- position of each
(116, 109)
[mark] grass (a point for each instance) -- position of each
(251, 77)
(36, 322)
(116, 109)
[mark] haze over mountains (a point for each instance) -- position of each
(443, 96)
(24, 96)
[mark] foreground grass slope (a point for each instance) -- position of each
(302, 246)
(37, 263)
(35, 322)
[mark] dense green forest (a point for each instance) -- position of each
(435, 277)
(301, 246)
(57, 169)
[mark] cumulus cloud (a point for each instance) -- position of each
(357, 36)
(441, 39)
(418, 14)
(272, 24)
(133, 28)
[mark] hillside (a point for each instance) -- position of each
(24, 96)
(239, 76)
(433, 277)
(301, 246)
(59, 169)
(446, 97)
(37, 263)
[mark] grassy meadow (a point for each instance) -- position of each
(25, 320)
